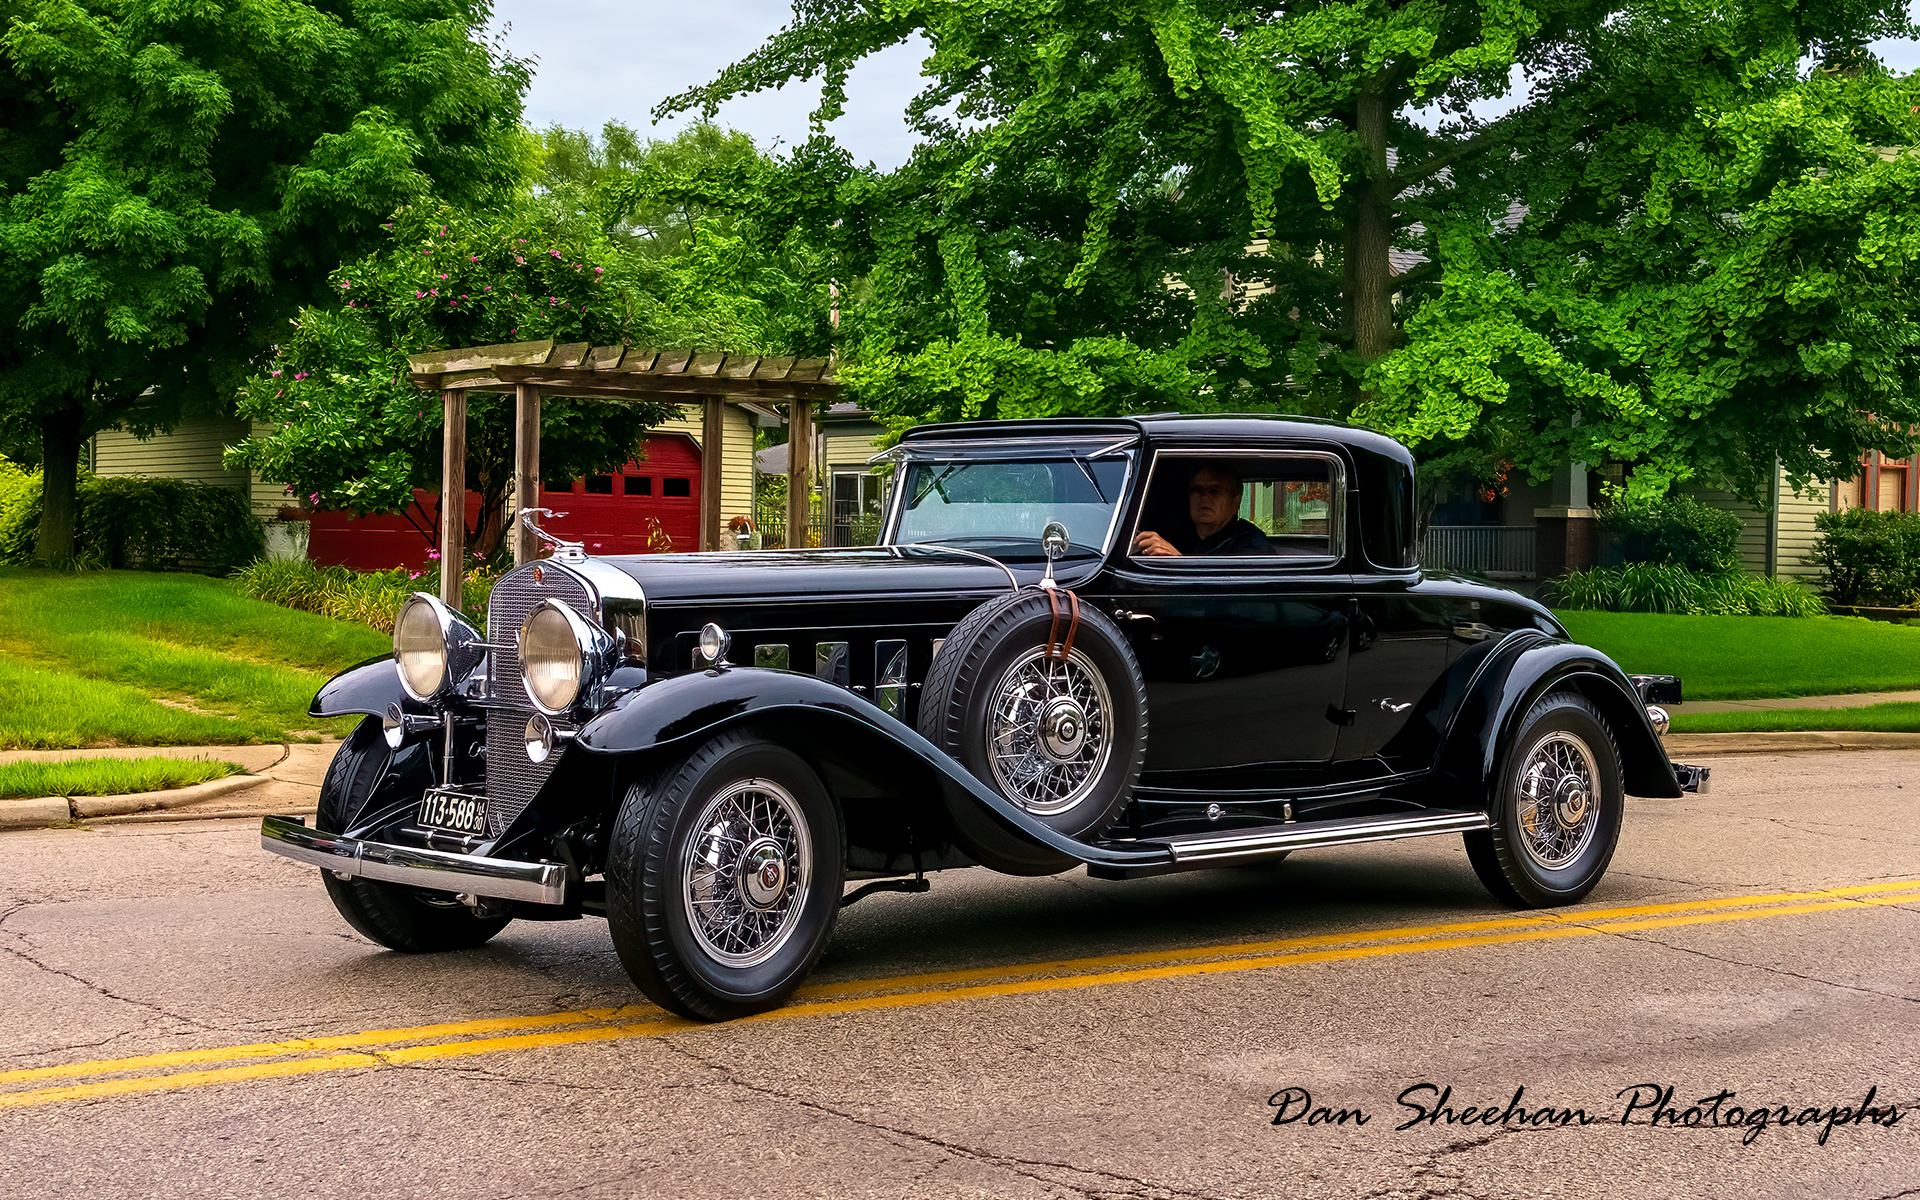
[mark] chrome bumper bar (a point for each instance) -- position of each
(435, 870)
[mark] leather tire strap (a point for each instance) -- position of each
(1073, 627)
(1053, 630)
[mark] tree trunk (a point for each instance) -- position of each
(1369, 273)
(59, 485)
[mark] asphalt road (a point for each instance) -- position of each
(186, 1016)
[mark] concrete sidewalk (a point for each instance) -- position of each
(1850, 700)
(289, 777)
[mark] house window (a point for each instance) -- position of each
(639, 485)
(599, 485)
(856, 508)
(676, 487)
(1883, 484)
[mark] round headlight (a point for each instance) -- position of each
(714, 642)
(420, 647)
(550, 654)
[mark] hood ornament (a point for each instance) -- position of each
(563, 550)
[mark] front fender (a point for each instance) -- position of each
(368, 688)
(990, 829)
(1506, 688)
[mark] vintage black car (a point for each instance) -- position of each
(1143, 646)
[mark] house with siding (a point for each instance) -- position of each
(619, 511)
(845, 437)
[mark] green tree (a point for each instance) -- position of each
(1680, 249)
(176, 180)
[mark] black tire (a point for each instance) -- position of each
(654, 886)
(958, 698)
(1541, 852)
(399, 918)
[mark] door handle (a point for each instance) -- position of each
(1137, 620)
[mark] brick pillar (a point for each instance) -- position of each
(1566, 539)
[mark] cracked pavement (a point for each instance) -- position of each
(140, 939)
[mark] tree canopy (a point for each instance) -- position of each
(1687, 244)
(176, 180)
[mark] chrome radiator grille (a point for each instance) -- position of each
(512, 779)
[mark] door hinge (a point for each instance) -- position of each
(1341, 716)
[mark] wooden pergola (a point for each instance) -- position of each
(530, 370)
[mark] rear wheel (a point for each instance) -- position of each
(400, 918)
(724, 878)
(1557, 811)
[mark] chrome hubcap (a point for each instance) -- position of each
(1048, 731)
(1558, 811)
(745, 872)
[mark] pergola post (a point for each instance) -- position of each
(712, 434)
(799, 468)
(453, 496)
(526, 468)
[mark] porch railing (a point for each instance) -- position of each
(1496, 551)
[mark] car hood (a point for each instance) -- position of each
(867, 573)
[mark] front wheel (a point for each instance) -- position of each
(400, 918)
(724, 878)
(1557, 810)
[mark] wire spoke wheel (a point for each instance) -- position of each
(1048, 731)
(745, 872)
(1558, 807)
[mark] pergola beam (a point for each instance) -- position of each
(526, 470)
(453, 496)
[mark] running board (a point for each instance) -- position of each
(1196, 851)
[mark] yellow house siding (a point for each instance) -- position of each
(1797, 532)
(736, 454)
(192, 452)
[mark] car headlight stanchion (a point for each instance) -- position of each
(563, 656)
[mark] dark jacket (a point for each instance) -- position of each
(1238, 538)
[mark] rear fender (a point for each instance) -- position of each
(369, 688)
(853, 740)
(1505, 690)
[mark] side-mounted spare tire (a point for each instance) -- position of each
(1042, 699)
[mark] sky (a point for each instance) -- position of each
(613, 60)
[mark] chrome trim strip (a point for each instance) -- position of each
(435, 870)
(937, 548)
(1254, 843)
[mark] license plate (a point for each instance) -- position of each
(458, 811)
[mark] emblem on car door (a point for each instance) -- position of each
(1205, 661)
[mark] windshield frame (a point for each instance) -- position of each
(897, 492)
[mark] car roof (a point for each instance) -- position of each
(1162, 428)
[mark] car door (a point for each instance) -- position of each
(1245, 658)
(1398, 651)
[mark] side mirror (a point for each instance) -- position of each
(1053, 543)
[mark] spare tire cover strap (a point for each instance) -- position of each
(1056, 648)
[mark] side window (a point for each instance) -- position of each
(1266, 506)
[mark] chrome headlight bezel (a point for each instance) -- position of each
(595, 651)
(461, 647)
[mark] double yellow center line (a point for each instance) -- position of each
(497, 1035)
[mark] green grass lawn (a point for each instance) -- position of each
(1753, 658)
(1872, 718)
(148, 659)
(107, 776)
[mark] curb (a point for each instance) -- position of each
(1778, 743)
(56, 810)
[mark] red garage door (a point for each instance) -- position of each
(631, 510)
(613, 514)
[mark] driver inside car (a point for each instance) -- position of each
(1213, 503)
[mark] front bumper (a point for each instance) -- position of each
(435, 870)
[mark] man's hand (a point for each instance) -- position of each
(1153, 545)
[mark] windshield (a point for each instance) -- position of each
(1001, 507)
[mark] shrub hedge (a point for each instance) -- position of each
(1665, 588)
(138, 521)
(1868, 557)
(1674, 530)
(369, 597)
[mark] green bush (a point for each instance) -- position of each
(1665, 588)
(369, 597)
(1868, 557)
(1674, 530)
(145, 522)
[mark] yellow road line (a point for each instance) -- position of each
(1572, 925)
